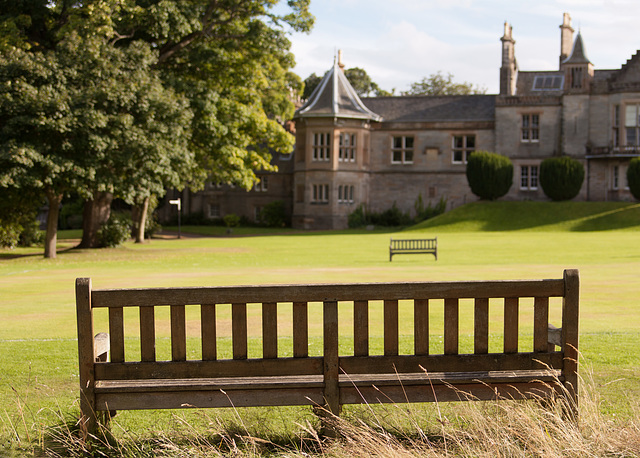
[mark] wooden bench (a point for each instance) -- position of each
(413, 246)
(329, 378)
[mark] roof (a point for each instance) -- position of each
(426, 108)
(335, 97)
(578, 54)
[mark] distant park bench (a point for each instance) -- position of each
(546, 368)
(413, 246)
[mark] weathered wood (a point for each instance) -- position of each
(390, 327)
(570, 312)
(421, 326)
(318, 293)
(239, 330)
(360, 328)
(270, 330)
(116, 334)
(511, 317)
(413, 246)
(330, 347)
(540, 324)
(481, 326)
(300, 330)
(178, 333)
(147, 334)
(86, 356)
(208, 332)
(451, 327)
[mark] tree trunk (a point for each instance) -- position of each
(141, 220)
(51, 237)
(96, 213)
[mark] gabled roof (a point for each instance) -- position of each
(578, 54)
(426, 108)
(335, 97)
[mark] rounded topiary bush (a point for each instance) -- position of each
(633, 177)
(561, 177)
(490, 175)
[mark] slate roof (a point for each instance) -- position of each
(426, 108)
(578, 54)
(335, 97)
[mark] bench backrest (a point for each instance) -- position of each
(413, 244)
(418, 295)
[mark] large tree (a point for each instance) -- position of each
(228, 60)
(439, 84)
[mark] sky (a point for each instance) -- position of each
(398, 42)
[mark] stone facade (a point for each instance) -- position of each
(383, 151)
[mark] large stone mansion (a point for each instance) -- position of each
(376, 151)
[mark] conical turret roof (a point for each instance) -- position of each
(335, 97)
(578, 54)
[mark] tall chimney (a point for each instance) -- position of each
(566, 38)
(340, 63)
(509, 68)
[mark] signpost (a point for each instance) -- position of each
(178, 202)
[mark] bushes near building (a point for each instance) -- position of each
(393, 216)
(633, 177)
(490, 175)
(561, 177)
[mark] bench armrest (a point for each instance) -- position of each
(101, 347)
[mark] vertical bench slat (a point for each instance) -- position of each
(570, 311)
(239, 330)
(269, 330)
(421, 326)
(511, 312)
(178, 333)
(481, 326)
(300, 330)
(540, 324)
(147, 334)
(451, 319)
(84, 317)
(390, 327)
(331, 363)
(361, 328)
(116, 334)
(208, 332)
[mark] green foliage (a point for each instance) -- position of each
(561, 177)
(31, 234)
(116, 231)
(394, 217)
(633, 177)
(358, 78)
(490, 175)
(424, 213)
(438, 84)
(18, 211)
(231, 220)
(274, 215)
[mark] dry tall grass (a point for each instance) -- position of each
(478, 429)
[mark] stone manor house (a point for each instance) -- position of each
(380, 150)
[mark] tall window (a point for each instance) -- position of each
(529, 177)
(463, 146)
(631, 125)
(262, 185)
(576, 78)
(347, 152)
(320, 194)
(345, 194)
(530, 128)
(615, 177)
(402, 150)
(322, 146)
(616, 126)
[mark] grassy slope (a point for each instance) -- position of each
(478, 241)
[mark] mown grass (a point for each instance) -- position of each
(499, 240)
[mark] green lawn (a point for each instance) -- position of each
(38, 362)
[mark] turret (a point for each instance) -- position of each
(578, 70)
(509, 68)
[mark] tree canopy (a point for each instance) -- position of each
(439, 84)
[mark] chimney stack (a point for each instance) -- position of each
(566, 38)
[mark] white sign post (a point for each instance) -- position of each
(178, 202)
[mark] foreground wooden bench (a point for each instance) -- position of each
(413, 246)
(331, 379)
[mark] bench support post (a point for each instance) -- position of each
(86, 357)
(570, 310)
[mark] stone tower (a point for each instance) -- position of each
(509, 68)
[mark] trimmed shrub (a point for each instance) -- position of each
(116, 231)
(561, 177)
(489, 175)
(633, 177)
(273, 214)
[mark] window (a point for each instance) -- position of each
(214, 211)
(262, 185)
(322, 146)
(402, 150)
(631, 125)
(463, 145)
(616, 126)
(548, 82)
(615, 177)
(347, 152)
(345, 194)
(576, 78)
(530, 128)
(529, 177)
(320, 194)
(257, 213)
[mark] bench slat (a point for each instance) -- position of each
(208, 332)
(421, 326)
(540, 324)
(300, 330)
(481, 326)
(331, 365)
(116, 334)
(270, 330)
(239, 330)
(511, 316)
(178, 333)
(451, 327)
(147, 334)
(391, 327)
(360, 328)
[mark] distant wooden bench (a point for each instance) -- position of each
(413, 246)
(330, 379)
